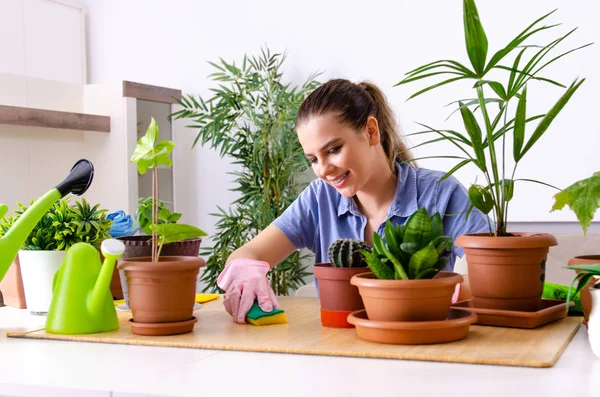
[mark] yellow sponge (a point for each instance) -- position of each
(256, 316)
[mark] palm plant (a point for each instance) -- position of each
(479, 144)
(250, 118)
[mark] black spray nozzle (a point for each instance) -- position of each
(79, 179)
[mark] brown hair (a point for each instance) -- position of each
(354, 103)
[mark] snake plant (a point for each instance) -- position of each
(416, 250)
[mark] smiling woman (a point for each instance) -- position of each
(366, 176)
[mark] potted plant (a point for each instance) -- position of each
(588, 279)
(407, 283)
(44, 250)
(583, 197)
(162, 289)
(506, 270)
(338, 297)
(141, 245)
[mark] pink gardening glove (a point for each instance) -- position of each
(245, 280)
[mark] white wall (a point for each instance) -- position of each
(43, 39)
(168, 43)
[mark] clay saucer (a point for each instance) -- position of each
(414, 332)
(156, 329)
(550, 311)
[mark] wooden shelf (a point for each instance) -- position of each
(149, 92)
(14, 115)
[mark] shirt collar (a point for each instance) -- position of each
(405, 198)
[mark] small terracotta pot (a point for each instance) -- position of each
(407, 300)
(11, 287)
(164, 291)
(585, 296)
(507, 273)
(338, 297)
(141, 246)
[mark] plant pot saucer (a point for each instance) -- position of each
(160, 329)
(414, 332)
(551, 310)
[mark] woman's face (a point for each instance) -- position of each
(340, 155)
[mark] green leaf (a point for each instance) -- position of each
(583, 197)
(380, 270)
(481, 198)
(418, 228)
(173, 232)
(519, 129)
(475, 37)
(437, 226)
(147, 155)
(390, 237)
(399, 271)
(475, 134)
(550, 116)
(422, 260)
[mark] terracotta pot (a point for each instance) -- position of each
(407, 300)
(585, 296)
(11, 286)
(507, 273)
(338, 297)
(164, 291)
(141, 246)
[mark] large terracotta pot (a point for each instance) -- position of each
(507, 273)
(163, 291)
(586, 298)
(141, 246)
(338, 297)
(407, 300)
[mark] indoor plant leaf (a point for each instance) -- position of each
(583, 197)
(173, 232)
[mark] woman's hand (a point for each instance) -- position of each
(245, 280)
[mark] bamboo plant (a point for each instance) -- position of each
(520, 62)
(250, 118)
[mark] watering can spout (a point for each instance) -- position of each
(77, 182)
(112, 250)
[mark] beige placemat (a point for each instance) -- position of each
(304, 334)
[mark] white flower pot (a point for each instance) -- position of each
(37, 270)
(594, 322)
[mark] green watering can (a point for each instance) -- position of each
(81, 298)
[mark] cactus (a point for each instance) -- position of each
(344, 253)
(416, 250)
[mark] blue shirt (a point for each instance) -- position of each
(320, 215)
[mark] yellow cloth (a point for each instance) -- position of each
(200, 298)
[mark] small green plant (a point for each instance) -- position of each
(583, 197)
(149, 154)
(143, 214)
(344, 252)
(587, 272)
(416, 250)
(63, 225)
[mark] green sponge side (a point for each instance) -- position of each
(557, 291)
(256, 312)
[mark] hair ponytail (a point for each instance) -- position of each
(354, 103)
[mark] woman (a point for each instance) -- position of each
(365, 177)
